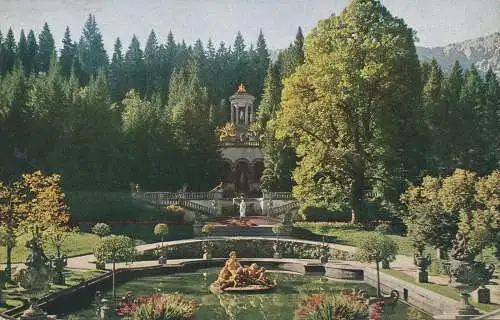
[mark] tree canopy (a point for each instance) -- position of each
(352, 109)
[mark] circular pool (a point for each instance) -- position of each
(279, 303)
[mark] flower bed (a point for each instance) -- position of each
(158, 307)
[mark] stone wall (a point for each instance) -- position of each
(426, 300)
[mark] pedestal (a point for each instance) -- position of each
(422, 277)
(483, 295)
(277, 255)
(162, 260)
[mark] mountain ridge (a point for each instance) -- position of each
(483, 52)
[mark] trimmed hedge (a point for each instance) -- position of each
(248, 249)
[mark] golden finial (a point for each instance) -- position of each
(241, 88)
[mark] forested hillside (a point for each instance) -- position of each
(148, 113)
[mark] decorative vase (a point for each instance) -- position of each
(422, 263)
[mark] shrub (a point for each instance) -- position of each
(383, 228)
(101, 229)
(158, 307)
(321, 214)
(249, 249)
(161, 230)
(207, 229)
(327, 307)
(377, 248)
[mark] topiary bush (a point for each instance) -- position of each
(101, 229)
(383, 229)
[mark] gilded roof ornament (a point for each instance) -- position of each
(241, 88)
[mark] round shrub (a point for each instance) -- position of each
(161, 230)
(383, 228)
(101, 229)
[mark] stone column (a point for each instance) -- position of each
(251, 112)
(232, 113)
(246, 114)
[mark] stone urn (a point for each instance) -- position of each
(422, 263)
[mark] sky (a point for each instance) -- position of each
(437, 22)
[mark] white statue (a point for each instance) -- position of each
(243, 206)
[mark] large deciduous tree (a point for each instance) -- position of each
(438, 208)
(352, 108)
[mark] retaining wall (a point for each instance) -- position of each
(426, 300)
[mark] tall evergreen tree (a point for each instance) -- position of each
(189, 103)
(10, 50)
(93, 56)
(134, 66)
(22, 51)
(31, 64)
(152, 65)
(117, 82)
(437, 119)
(471, 114)
(452, 88)
(261, 63)
(46, 46)
(293, 56)
(13, 124)
(68, 53)
(2, 54)
(490, 125)
(239, 64)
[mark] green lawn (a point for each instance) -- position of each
(76, 244)
(351, 236)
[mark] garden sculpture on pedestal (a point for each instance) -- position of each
(466, 274)
(422, 262)
(235, 277)
(35, 279)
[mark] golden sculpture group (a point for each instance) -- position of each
(235, 277)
